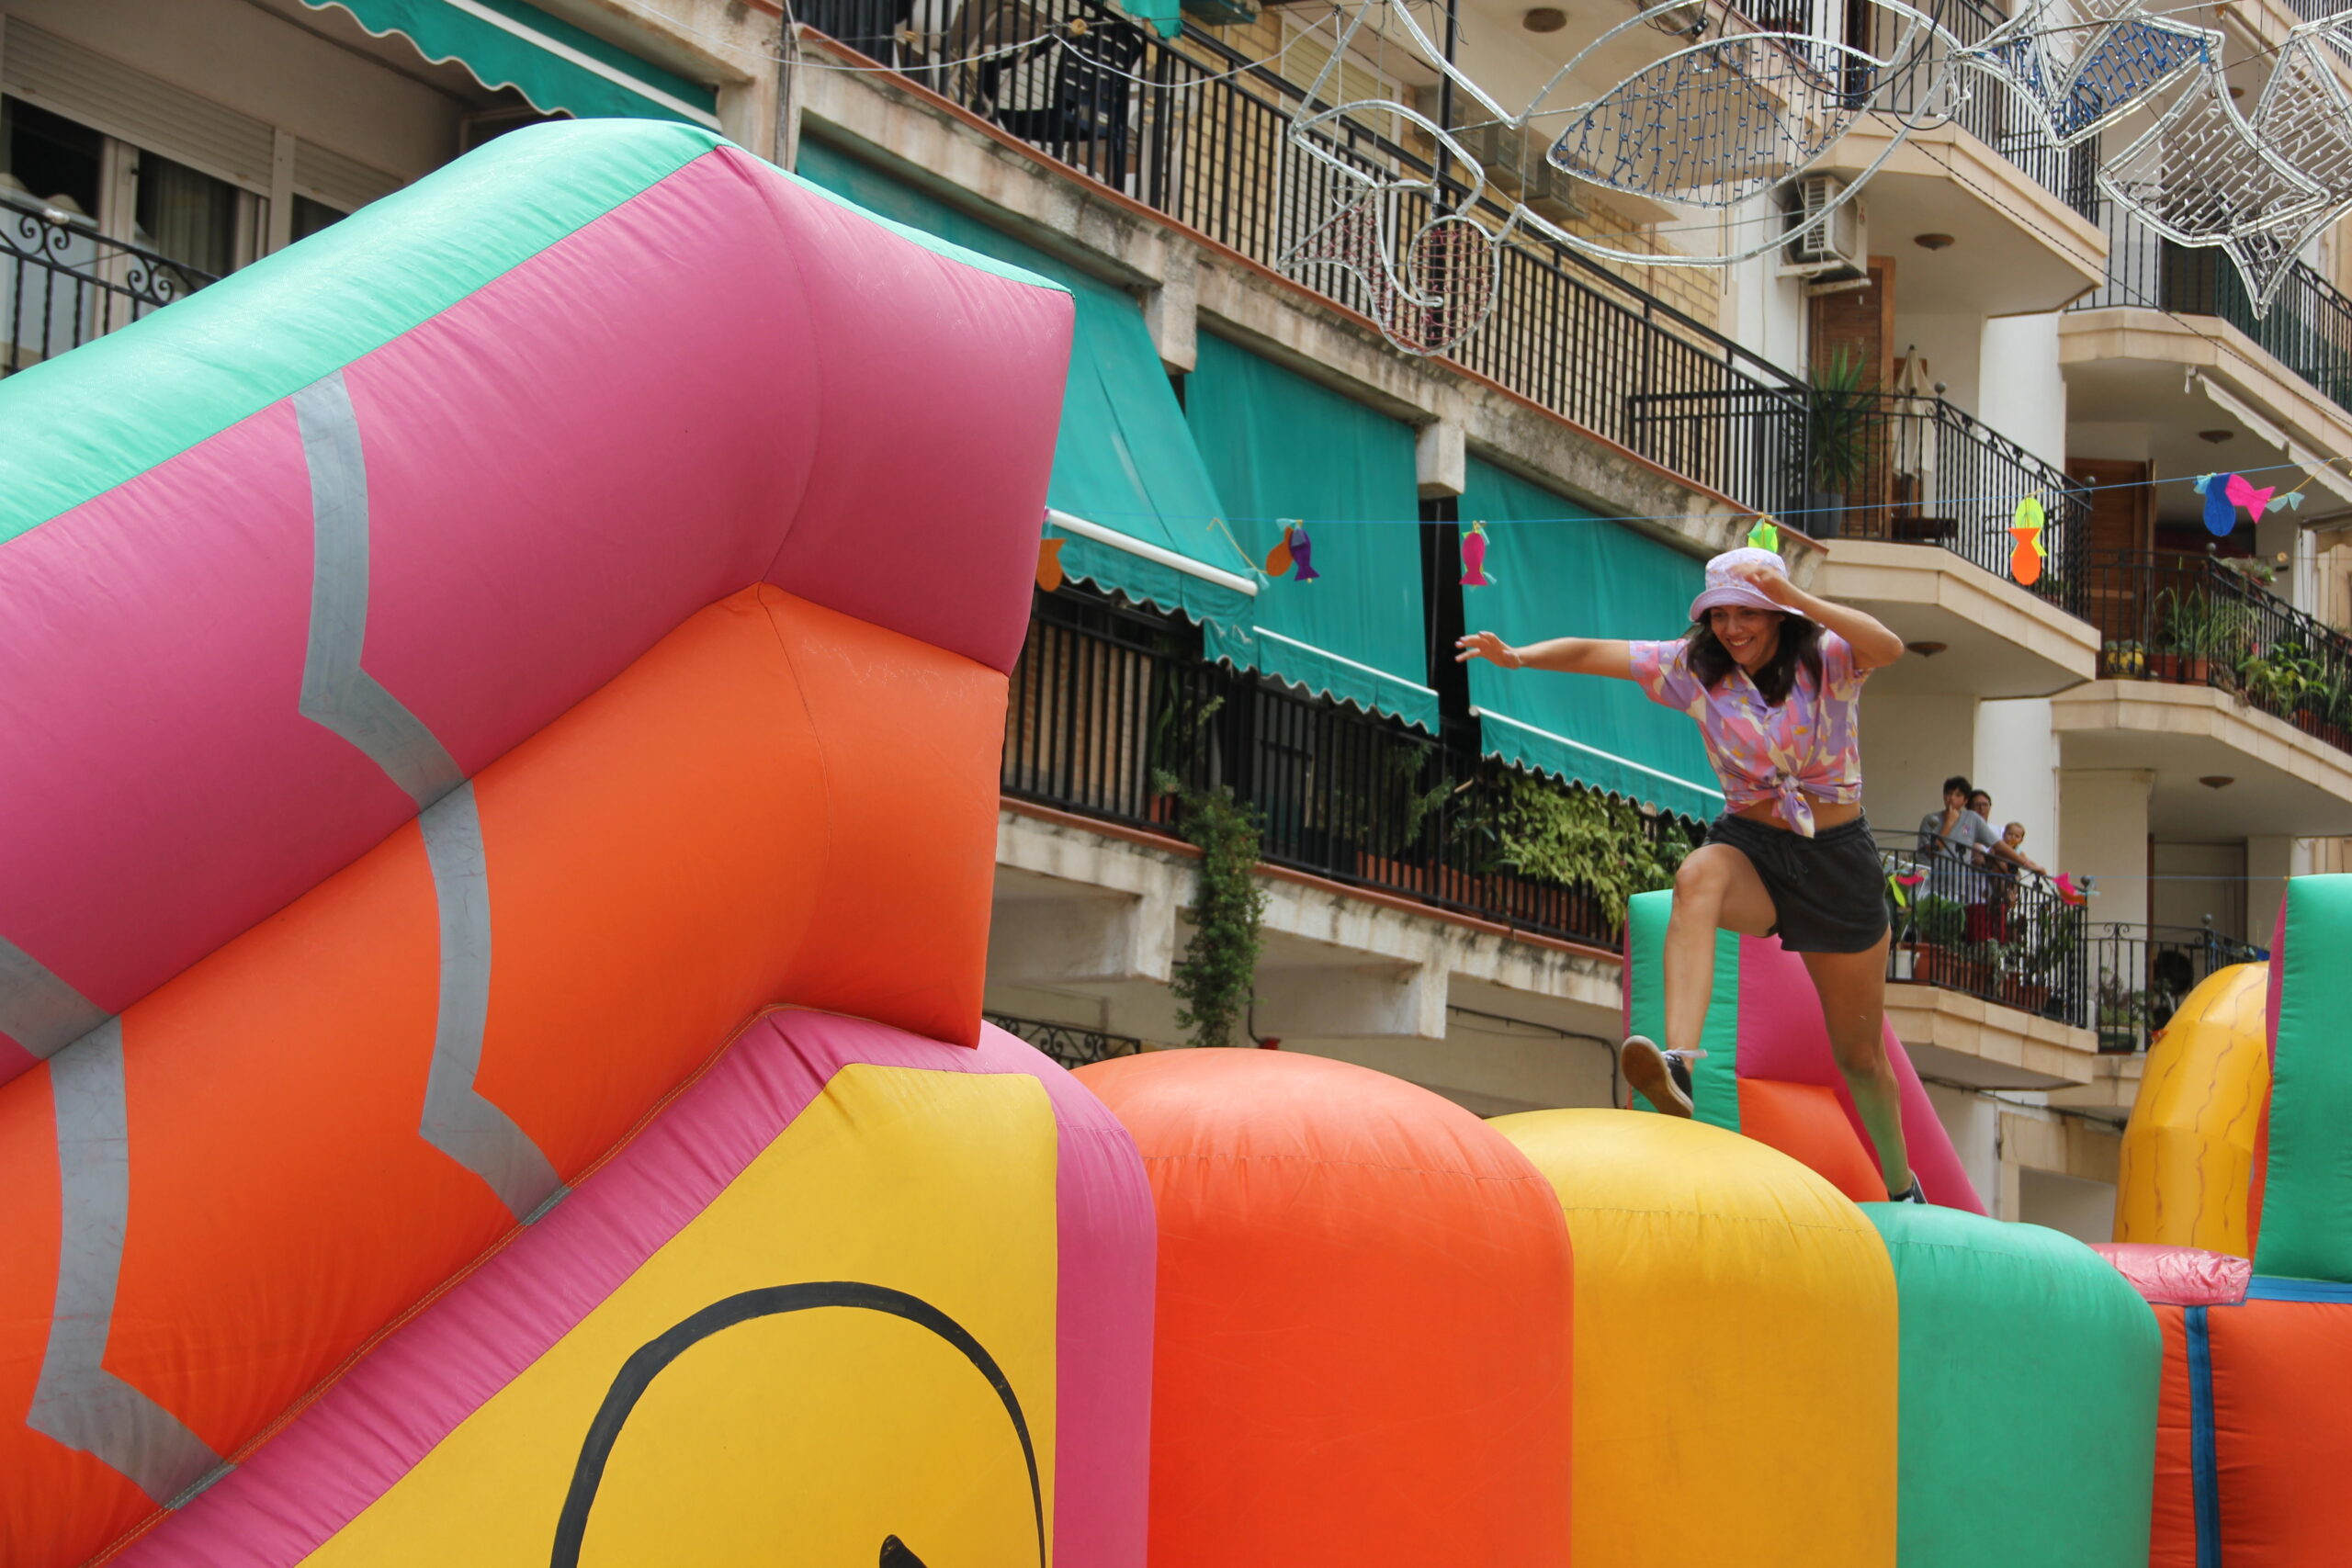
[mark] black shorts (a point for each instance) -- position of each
(1829, 891)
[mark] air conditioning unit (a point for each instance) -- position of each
(1515, 165)
(1837, 247)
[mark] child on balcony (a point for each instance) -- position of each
(1774, 677)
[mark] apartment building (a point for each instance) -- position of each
(1444, 852)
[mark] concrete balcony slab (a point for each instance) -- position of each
(2281, 781)
(1998, 639)
(1963, 1039)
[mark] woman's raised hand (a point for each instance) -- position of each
(1488, 647)
(1773, 584)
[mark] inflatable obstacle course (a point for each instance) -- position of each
(2243, 1157)
(451, 712)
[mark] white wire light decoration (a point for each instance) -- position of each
(2083, 64)
(1737, 114)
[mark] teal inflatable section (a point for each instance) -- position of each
(2029, 1396)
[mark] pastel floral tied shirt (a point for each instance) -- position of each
(1806, 749)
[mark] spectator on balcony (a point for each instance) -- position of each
(1980, 803)
(1773, 676)
(2011, 849)
(1955, 843)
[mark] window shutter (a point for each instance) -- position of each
(146, 111)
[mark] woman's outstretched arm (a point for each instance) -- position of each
(1568, 655)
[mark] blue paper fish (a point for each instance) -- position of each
(2221, 512)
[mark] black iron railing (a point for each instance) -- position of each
(2192, 620)
(1918, 471)
(2308, 328)
(1196, 130)
(1992, 111)
(1068, 1043)
(62, 284)
(1991, 931)
(1115, 713)
(2144, 973)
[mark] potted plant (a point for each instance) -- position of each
(1936, 928)
(2125, 659)
(1843, 419)
(2279, 680)
(2121, 1015)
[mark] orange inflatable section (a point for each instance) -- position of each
(2283, 1435)
(1361, 1349)
(2172, 1536)
(1805, 1122)
(764, 763)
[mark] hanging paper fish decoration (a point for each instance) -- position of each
(1900, 883)
(1302, 551)
(1049, 564)
(2221, 512)
(1278, 558)
(1765, 536)
(2025, 526)
(2243, 493)
(1474, 557)
(2068, 893)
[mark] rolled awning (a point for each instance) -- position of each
(1570, 574)
(1129, 492)
(559, 68)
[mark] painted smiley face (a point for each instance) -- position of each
(894, 1407)
(637, 1378)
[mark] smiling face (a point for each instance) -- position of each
(1751, 636)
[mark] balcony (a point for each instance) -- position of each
(1115, 713)
(1212, 151)
(2206, 675)
(2022, 210)
(2164, 309)
(62, 284)
(1927, 489)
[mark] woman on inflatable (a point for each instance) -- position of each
(1774, 677)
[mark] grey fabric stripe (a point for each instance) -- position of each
(77, 1401)
(39, 1011)
(458, 1121)
(337, 692)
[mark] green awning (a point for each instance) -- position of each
(1558, 572)
(558, 67)
(1279, 445)
(1128, 491)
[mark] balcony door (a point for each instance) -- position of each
(2123, 525)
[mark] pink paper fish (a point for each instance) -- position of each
(1474, 557)
(2242, 493)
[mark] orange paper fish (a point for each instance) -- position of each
(2024, 561)
(1049, 563)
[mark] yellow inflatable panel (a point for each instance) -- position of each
(1736, 1349)
(2188, 1150)
(801, 1437)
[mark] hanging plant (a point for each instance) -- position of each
(1214, 977)
(1581, 837)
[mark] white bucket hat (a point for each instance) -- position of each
(1723, 587)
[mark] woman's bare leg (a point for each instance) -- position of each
(1716, 889)
(1853, 1004)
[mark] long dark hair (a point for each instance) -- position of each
(1800, 645)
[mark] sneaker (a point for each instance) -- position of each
(1662, 1077)
(1911, 1194)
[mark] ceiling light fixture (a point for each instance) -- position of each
(2217, 781)
(2216, 436)
(1931, 241)
(1544, 19)
(1927, 649)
